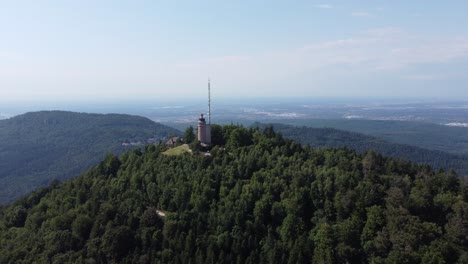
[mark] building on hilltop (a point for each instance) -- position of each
(204, 129)
(172, 141)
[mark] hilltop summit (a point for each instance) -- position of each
(257, 199)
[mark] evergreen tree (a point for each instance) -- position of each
(189, 135)
(257, 199)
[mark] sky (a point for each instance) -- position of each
(89, 50)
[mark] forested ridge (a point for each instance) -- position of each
(38, 147)
(421, 134)
(258, 198)
(335, 138)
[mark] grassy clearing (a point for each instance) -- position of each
(178, 150)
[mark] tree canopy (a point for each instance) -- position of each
(334, 138)
(258, 198)
(39, 147)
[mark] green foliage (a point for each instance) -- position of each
(324, 245)
(257, 199)
(239, 137)
(421, 134)
(189, 135)
(16, 217)
(81, 227)
(333, 138)
(117, 242)
(217, 137)
(38, 147)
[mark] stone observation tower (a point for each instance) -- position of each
(204, 129)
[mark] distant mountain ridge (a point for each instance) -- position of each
(38, 147)
(335, 138)
(421, 134)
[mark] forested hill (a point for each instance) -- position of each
(334, 138)
(421, 134)
(38, 147)
(258, 198)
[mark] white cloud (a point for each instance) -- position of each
(410, 50)
(383, 51)
(361, 14)
(378, 51)
(426, 77)
(364, 55)
(325, 6)
(386, 31)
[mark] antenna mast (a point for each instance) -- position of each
(209, 103)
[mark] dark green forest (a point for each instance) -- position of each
(334, 138)
(38, 147)
(421, 134)
(256, 198)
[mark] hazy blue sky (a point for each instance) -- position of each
(90, 49)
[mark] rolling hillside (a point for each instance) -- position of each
(420, 134)
(334, 138)
(38, 147)
(257, 199)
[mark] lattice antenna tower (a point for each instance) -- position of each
(209, 102)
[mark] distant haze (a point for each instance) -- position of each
(132, 50)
